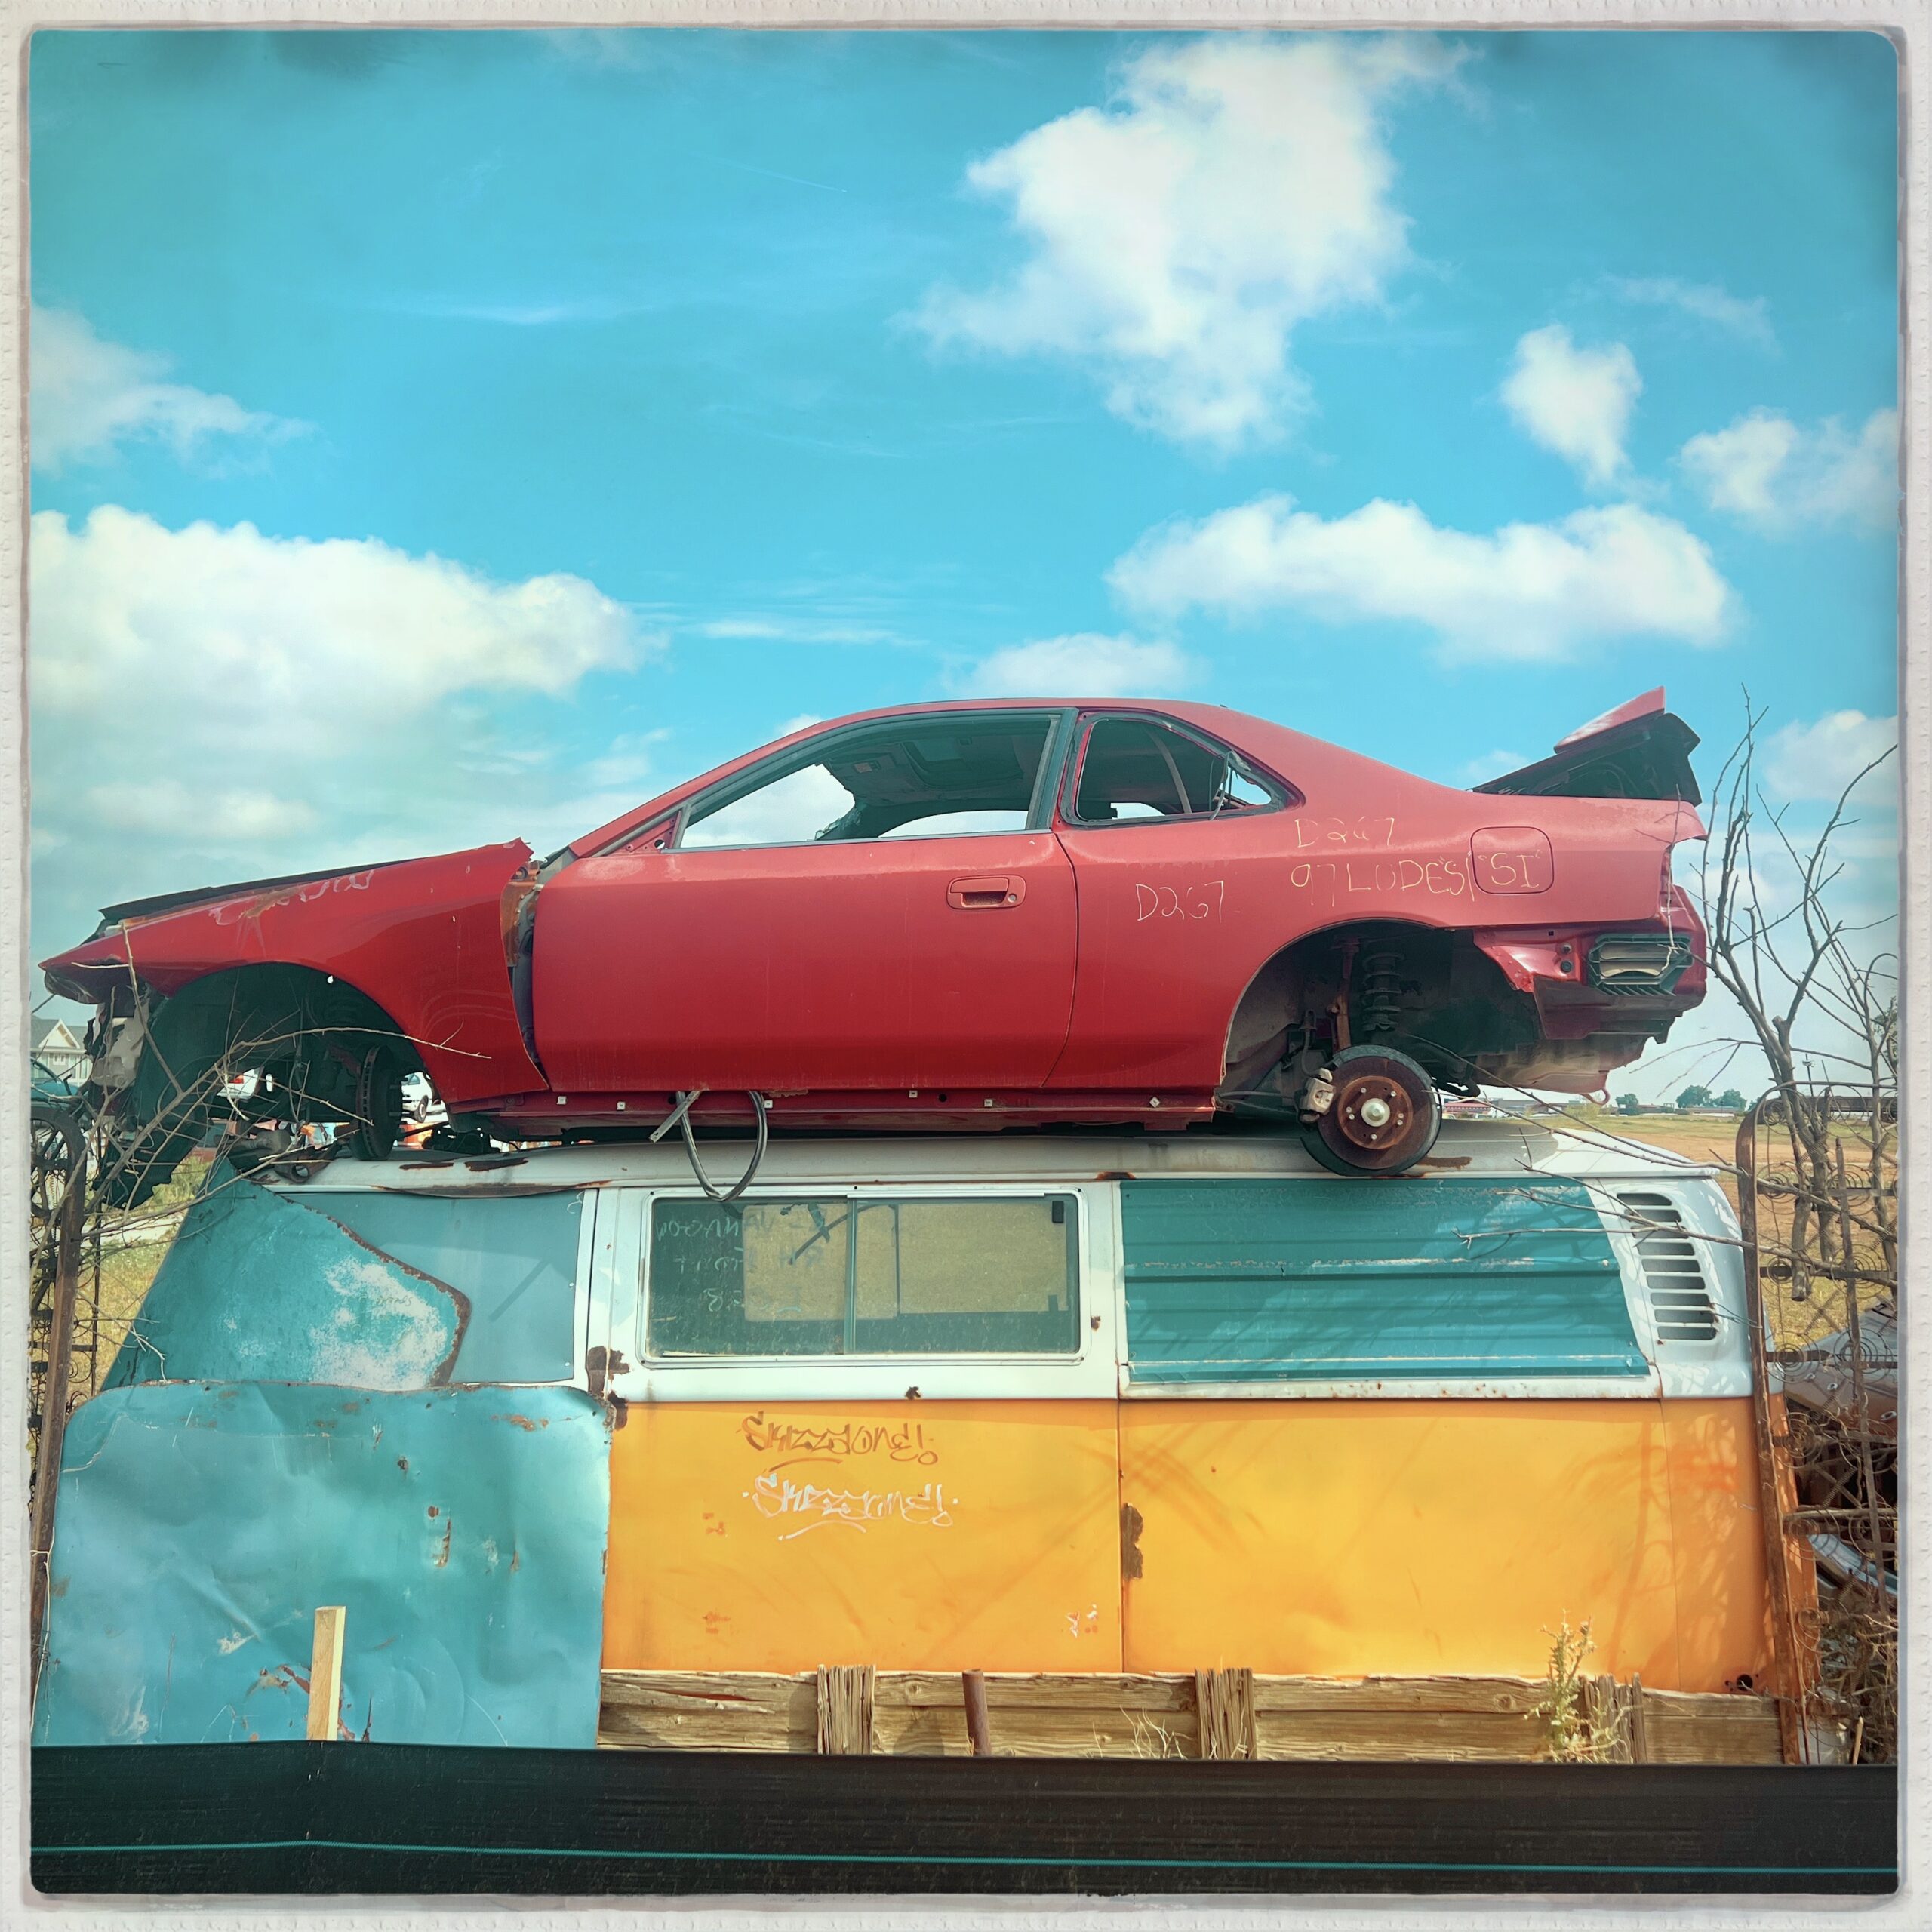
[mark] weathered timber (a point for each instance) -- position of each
(1636, 1702)
(1609, 1720)
(1388, 1720)
(326, 1674)
(979, 1725)
(843, 1697)
(1224, 1701)
(1686, 1729)
(676, 1710)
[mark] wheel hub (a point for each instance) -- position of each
(1372, 1111)
(1382, 1112)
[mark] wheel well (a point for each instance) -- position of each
(1427, 990)
(308, 1031)
(269, 1015)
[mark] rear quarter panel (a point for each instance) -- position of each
(1176, 919)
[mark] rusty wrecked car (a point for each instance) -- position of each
(976, 914)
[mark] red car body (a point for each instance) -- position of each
(1080, 965)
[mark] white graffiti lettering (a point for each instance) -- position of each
(772, 1495)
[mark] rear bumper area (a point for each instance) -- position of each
(1602, 993)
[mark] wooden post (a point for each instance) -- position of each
(845, 1710)
(1860, 1396)
(1787, 1656)
(1609, 1722)
(69, 1225)
(325, 1674)
(1640, 1734)
(978, 1730)
(1225, 1700)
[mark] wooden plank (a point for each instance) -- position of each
(668, 1710)
(1018, 1690)
(325, 1674)
(1375, 1720)
(1687, 1728)
(1514, 1697)
(1405, 1737)
(844, 1701)
(922, 1714)
(1640, 1729)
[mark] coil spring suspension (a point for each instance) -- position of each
(1380, 985)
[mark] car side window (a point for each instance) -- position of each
(840, 1276)
(1138, 768)
(918, 778)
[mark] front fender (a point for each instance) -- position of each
(424, 940)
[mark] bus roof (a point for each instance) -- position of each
(1465, 1149)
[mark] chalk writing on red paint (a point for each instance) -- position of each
(1189, 904)
(1337, 878)
(1332, 831)
(230, 911)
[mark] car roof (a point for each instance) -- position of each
(1254, 737)
(1465, 1149)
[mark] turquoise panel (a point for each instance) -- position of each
(511, 1258)
(1362, 1280)
(200, 1527)
(256, 1287)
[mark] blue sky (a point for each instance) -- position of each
(443, 436)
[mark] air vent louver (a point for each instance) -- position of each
(1679, 1299)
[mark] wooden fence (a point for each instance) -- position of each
(1218, 1714)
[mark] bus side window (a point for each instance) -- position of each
(841, 1277)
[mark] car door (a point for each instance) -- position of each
(1176, 843)
(885, 907)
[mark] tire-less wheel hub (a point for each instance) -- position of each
(1382, 1113)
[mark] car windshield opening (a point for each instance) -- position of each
(931, 778)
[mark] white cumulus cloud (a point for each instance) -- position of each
(87, 396)
(1084, 664)
(321, 639)
(1817, 760)
(1527, 590)
(1575, 401)
(212, 703)
(1766, 470)
(1231, 189)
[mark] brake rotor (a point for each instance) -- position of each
(1383, 1116)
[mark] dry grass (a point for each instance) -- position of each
(132, 1250)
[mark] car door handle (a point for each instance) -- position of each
(984, 895)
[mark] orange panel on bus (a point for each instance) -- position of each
(780, 1535)
(1346, 1539)
(1723, 1606)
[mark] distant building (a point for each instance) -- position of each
(1514, 1103)
(59, 1048)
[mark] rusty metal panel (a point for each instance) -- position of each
(256, 1286)
(200, 1526)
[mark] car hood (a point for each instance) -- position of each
(153, 907)
(299, 918)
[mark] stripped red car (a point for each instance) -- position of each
(988, 913)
